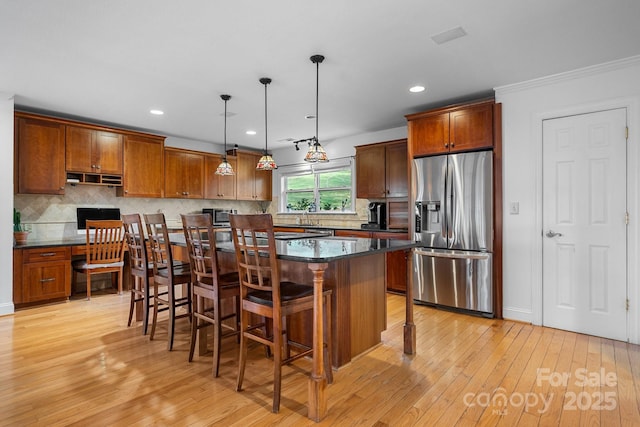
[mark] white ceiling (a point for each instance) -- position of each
(113, 60)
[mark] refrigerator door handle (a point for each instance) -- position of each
(450, 208)
(444, 224)
(454, 254)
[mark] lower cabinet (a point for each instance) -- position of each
(41, 274)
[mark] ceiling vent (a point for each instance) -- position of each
(447, 36)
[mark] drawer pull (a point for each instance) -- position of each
(48, 254)
(50, 279)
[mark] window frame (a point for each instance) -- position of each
(316, 170)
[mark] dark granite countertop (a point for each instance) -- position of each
(336, 227)
(67, 241)
(323, 249)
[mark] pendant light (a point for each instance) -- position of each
(316, 153)
(225, 168)
(266, 162)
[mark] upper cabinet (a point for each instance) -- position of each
(452, 129)
(219, 186)
(381, 170)
(93, 151)
(39, 155)
(143, 167)
(252, 184)
(183, 173)
(52, 152)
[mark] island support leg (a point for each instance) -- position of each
(409, 326)
(317, 405)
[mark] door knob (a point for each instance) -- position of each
(552, 233)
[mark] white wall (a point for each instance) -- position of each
(343, 147)
(6, 213)
(524, 106)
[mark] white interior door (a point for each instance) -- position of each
(584, 224)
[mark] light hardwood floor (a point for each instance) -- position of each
(76, 363)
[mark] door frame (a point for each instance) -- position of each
(633, 198)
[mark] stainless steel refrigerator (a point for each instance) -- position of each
(453, 199)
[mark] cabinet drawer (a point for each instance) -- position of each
(43, 281)
(46, 254)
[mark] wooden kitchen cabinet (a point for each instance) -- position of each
(365, 234)
(396, 175)
(252, 184)
(143, 166)
(370, 175)
(93, 151)
(219, 186)
(41, 274)
(381, 170)
(183, 174)
(39, 162)
(458, 128)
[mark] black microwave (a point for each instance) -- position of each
(219, 216)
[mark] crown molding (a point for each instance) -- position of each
(569, 75)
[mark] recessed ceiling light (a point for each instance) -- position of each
(156, 112)
(251, 132)
(416, 89)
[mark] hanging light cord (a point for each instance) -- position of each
(317, 59)
(225, 98)
(265, 81)
(265, 119)
(317, 95)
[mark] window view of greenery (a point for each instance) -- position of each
(319, 192)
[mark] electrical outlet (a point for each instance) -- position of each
(514, 208)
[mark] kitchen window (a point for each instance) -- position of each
(318, 188)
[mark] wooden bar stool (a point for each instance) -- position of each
(210, 288)
(140, 266)
(265, 295)
(104, 252)
(167, 273)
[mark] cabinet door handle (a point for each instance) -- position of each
(452, 144)
(48, 254)
(50, 279)
(446, 145)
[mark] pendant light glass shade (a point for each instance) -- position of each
(266, 162)
(316, 153)
(224, 168)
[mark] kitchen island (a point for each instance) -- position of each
(354, 269)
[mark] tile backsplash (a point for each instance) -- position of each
(54, 217)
